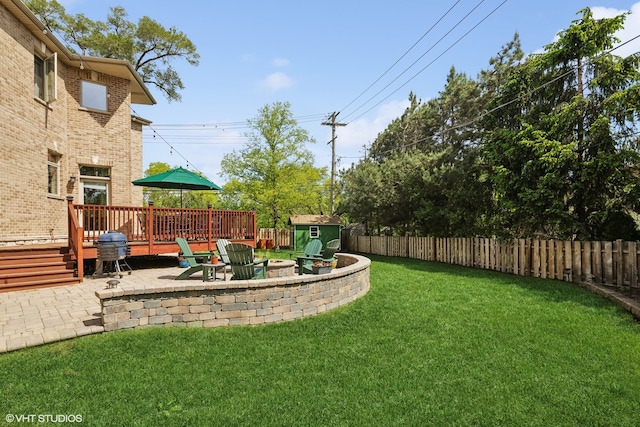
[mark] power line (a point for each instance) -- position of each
(333, 125)
(172, 148)
(401, 57)
(432, 62)
(528, 93)
(414, 63)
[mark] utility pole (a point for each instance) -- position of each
(333, 125)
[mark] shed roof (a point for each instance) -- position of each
(314, 220)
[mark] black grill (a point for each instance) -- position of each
(112, 251)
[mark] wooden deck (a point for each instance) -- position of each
(153, 231)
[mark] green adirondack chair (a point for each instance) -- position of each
(191, 258)
(221, 245)
(330, 250)
(243, 264)
(311, 253)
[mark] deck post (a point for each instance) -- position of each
(255, 228)
(150, 226)
(210, 227)
(75, 237)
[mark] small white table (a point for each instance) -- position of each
(210, 269)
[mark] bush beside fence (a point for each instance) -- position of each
(603, 263)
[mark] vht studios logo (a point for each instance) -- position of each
(43, 418)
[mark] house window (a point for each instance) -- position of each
(44, 77)
(91, 171)
(53, 172)
(94, 183)
(314, 231)
(93, 95)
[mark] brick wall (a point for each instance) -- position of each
(30, 127)
(242, 302)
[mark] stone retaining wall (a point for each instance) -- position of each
(241, 302)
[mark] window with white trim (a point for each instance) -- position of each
(53, 174)
(93, 95)
(314, 231)
(45, 83)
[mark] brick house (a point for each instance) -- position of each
(66, 129)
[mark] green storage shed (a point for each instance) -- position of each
(307, 227)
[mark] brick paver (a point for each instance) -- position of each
(40, 316)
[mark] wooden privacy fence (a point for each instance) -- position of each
(604, 263)
(282, 236)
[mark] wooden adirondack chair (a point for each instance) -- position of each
(243, 264)
(311, 253)
(330, 250)
(221, 245)
(190, 257)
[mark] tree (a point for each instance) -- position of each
(274, 172)
(147, 45)
(564, 154)
(362, 186)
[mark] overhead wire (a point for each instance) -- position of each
(429, 64)
(402, 56)
(528, 93)
(413, 64)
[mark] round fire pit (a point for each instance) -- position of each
(281, 268)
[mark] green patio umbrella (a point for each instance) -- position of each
(178, 179)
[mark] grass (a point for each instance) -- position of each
(430, 344)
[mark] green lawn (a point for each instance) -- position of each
(430, 344)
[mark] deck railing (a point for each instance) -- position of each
(141, 224)
(157, 228)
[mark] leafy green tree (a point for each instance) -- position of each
(274, 172)
(147, 45)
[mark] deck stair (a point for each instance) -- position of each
(36, 266)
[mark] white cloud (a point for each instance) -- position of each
(280, 62)
(631, 27)
(365, 130)
(360, 133)
(276, 81)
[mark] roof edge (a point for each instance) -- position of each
(68, 57)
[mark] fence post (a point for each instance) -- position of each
(586, 273)
(633, 265)
(577, 262)
(620, 264)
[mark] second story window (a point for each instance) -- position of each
(44, 77)
(93, 95)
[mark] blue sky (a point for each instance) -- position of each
(320, 56)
